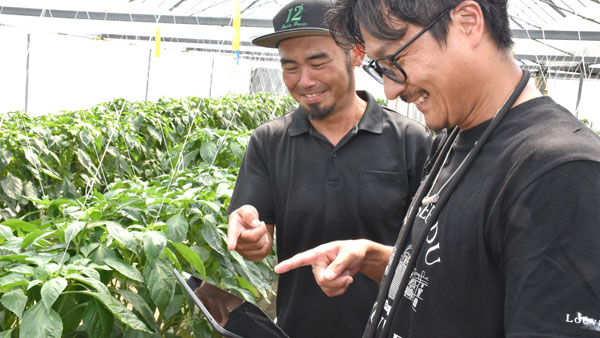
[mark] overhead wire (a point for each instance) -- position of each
(572, 12)
(531, 23)
(547, 14)
(524, 13)
(555, 8)
(176, 5)
(531, 10)
(214, 4)
(567, 5)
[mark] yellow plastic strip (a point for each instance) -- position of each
(237, 21)
(157, 43)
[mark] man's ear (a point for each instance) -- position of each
(357, 56)
(467, 17)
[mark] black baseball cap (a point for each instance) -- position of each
(297, 18)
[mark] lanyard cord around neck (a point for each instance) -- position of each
(371, 328)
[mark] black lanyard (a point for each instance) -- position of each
(401, 242)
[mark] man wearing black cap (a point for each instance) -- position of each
(338, 167)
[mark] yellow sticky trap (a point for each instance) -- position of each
(157, 43)
(235, 43)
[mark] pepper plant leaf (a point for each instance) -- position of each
(211, 235)
(154, 245)
(15, 301)
(119, 310)
(125, 269)
(160, 281)
(98, 321)
(6, 232)
(72, 230)
(191, 257)
(17, 224)
(177, 228)
(41, 323)
(6, 334)
(12, 186)
(5, 158)
(141, 306)
(208, 151)
(121, 235)
(51, 290)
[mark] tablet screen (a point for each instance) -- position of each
(217, 301)
(229, 314)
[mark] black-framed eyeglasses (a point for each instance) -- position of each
(377, 71)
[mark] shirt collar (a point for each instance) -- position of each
(371, 121)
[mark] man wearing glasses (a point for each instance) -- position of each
(338, 167)
(502, 238)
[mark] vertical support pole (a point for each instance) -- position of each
(541, 80)
(212, 70)
(581, 76)
(27, 73)
(148, 74)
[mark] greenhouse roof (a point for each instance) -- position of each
(554, 35)
(531, 14)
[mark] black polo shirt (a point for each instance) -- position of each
(315, 193)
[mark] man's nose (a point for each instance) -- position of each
(393, 89)
(307, 78)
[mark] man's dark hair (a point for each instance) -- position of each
(376, 16)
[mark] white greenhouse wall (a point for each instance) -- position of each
(70, 73)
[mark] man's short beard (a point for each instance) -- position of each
(314, 112)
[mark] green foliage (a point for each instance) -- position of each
(98, 206)
(68, 155)
(590, 125)
(382, 102)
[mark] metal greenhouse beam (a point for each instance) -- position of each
(261, 23)
(559, 58)
(127, 17)
(556, 34)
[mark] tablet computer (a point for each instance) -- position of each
(230, 315)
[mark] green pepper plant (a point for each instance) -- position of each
(97, 206)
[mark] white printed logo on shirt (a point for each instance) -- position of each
(414, 290)
(583, 321)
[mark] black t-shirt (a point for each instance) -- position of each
(316, 193)
(515, 251)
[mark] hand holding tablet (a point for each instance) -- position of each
(230, 315)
